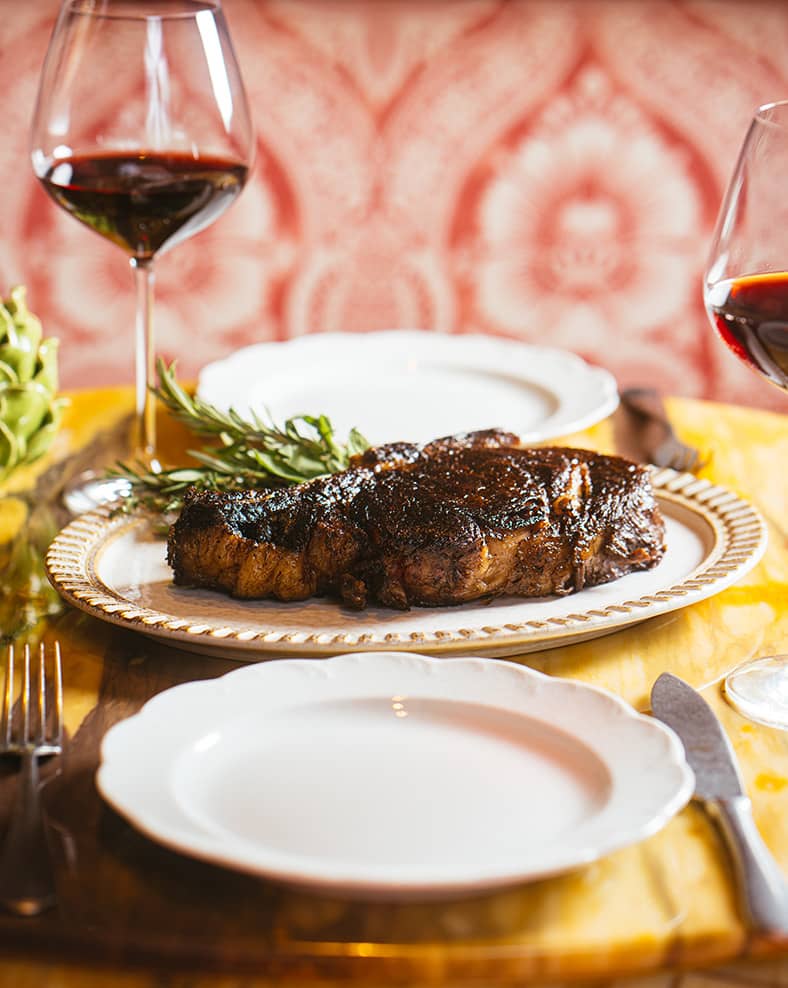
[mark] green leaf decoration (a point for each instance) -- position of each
(247, 452)
(30, 409)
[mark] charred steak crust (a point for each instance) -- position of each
(458, 519)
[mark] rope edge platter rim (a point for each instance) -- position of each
(739, 543)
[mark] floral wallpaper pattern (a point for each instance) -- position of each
(543, 170)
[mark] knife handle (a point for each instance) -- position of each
(760, 880)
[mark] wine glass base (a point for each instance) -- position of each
(759, 690)
(90, 490)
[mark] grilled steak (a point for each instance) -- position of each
(458, 519)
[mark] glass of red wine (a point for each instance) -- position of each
(746, 296)
(142, 132)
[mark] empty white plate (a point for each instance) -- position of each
(414, 385)
(394, 775)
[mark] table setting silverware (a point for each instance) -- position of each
(31, 727)
(656, 436)
(754, 687)
(719, 787)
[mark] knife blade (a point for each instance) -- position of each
(719, 787)
(708, 750)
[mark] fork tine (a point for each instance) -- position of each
(26, 698)
(689, 460)
(42, 695)
(27, 884)
(8, 692)
(679, 460)
(677, 456)
(58, 728)
(33, 716)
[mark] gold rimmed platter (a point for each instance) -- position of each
(114, 567)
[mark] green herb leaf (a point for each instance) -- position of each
(248, 453)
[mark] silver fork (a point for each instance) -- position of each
(26, 881)
(665, 449)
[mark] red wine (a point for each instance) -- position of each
(145, 201)
(751, 315)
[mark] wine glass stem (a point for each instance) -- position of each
(145, 407)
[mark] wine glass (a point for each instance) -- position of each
(142, 132)
(746, 296)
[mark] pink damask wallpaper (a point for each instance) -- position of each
(544, 171)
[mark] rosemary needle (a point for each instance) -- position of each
(246, 453)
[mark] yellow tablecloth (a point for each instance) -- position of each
(667, 903)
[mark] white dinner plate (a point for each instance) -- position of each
(415, 386)
(392, 775)
(114, 567)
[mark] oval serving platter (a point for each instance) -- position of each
(114, 567)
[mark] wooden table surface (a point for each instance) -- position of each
(132, 913)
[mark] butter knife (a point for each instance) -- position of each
(718, 785)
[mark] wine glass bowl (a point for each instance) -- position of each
(750, 314)
(142, 132)
(746, 280)
(745, 290)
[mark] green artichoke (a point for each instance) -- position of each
(30, 411)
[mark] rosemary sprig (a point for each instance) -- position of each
(246, 452)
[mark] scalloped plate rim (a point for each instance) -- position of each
(583, 393)
(197, 710)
